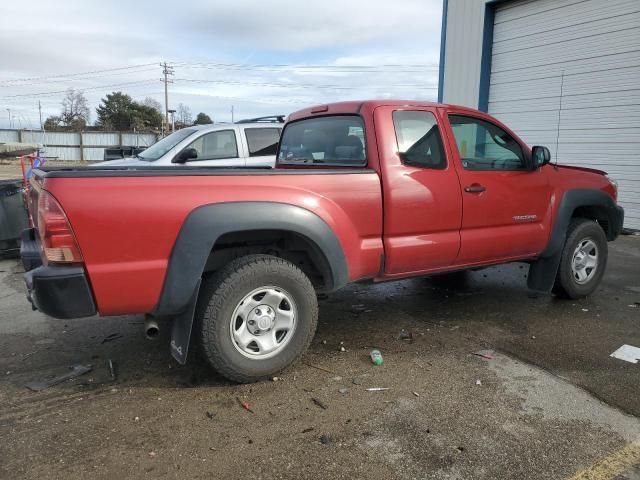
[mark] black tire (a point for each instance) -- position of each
(580, 230)
(223, 291)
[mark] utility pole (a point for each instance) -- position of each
(10, 121)
(231, 113)
(167, 70)
(40, 114)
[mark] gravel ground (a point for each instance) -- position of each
(548, 405)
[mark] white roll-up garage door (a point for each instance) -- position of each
(590, 51)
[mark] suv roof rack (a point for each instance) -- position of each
(268, 119)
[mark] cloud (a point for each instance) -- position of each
(53, 38)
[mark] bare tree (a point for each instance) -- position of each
(153, 103)
(183, 115)
(75, 110)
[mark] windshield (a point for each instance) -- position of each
(158, 149)
(333, 140)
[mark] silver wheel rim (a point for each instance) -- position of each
(585, 261)
(263, 322)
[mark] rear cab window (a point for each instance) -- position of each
(337, 140)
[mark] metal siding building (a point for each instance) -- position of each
(559, 72)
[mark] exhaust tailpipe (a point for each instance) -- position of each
(151, 328)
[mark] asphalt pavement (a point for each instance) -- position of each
(546, 401)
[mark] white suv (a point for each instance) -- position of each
(247, 143)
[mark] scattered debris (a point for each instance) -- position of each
(111, 337)
(307, 430)
(405, 335)
(478, 382)
(275, 379)
(245, 405)
(376, 357)
(136, 419)
(585, 309)
(486, 354)
(325, 439)
(336, 379)
(324, 342)
(460, 449)
(628, 353)
(318, 368)
(377, 389)
(635, 305)
(342, 349)
(343, 390)
(319, 403)
(210, 415)
(416, 394)
(152, 454)
(112, 369)
(75, 371)
(27, 355)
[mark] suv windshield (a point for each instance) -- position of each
(158, 149)
(334, 140)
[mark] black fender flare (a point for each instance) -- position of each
(542, 272)
(205, 224)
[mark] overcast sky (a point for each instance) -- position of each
(262, 57)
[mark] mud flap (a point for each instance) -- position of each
(181, 329)
(542, 273)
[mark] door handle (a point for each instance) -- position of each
(474, 188)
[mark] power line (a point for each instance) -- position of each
(288, 66)
(57, 92)
(76, 74)
(14, 83)
(301, 85)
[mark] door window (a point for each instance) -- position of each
(262, 141)
(216, 145)
(419, 141)
(485, 146)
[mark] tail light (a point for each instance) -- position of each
(58, 243)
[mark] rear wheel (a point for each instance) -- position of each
(255, 317)
(584, 259)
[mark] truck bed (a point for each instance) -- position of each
(126, 265)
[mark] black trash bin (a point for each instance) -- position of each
(13, 216)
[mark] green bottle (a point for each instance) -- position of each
(376, 357)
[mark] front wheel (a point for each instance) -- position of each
(584, 259)
(255, 317)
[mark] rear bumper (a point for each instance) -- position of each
(59, 291)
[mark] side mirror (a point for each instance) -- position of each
(185, 155)
(540, 156)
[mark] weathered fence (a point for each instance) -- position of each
(87, 146)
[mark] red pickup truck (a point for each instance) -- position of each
(374, 190)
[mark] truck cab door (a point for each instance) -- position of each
(506, 204)
(421, 191)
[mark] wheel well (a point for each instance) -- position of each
(594, 212)
(298, 249)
